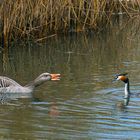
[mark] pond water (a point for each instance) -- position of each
(82, 105)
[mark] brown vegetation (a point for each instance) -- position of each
(39, 18)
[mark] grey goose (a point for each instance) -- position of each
(9, 86)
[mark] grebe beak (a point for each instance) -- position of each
(115, 78)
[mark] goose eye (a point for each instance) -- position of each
(47, 75)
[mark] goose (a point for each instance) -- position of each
(10, 86)
(127, 93)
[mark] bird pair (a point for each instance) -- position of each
(9, 86)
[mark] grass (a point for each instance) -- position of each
(41, 18)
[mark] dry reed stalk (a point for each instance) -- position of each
(38, 18)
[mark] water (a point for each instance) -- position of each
(83, 104)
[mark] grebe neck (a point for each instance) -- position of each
(127, 93)
(127, 89)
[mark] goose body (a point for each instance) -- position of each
(9, 86)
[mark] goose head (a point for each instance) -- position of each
(46, 77)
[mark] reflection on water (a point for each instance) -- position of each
(82, 105)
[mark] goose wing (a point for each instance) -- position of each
(6, 82)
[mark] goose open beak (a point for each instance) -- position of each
(55, 77)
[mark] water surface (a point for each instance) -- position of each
(82, 105)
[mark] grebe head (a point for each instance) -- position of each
(122, 77)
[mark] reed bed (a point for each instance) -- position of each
(41, 18)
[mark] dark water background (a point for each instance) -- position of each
(82, 105)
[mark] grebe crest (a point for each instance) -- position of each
(122, 77)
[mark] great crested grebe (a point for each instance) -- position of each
(127, 92)
(9, 86)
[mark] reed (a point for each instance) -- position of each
(40, 18)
